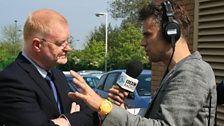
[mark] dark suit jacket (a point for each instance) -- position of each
(27, 100)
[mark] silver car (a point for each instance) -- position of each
(91, 80)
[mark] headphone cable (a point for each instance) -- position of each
(167, 68)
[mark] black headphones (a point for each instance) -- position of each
(170, 26)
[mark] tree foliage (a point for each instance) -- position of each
(127, 10)
(92, 57)
(126, 47)
(123, 41)
(123, 46)
(10, 44)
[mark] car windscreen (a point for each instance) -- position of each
(92, 81)
(144, 85)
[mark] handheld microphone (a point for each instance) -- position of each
(127, 81)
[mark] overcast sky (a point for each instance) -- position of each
(79, 13)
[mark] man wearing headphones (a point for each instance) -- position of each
(187, 93)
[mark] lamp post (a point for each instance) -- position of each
(106, 15)
(15, 36)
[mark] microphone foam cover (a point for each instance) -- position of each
(134, 69)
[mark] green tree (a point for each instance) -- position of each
(5, 54)
(93, 55)
(123, 41)
(127, 47)
(123, 46)
(127, 10)
(12, 34)
(10, 44)
(99, 33)
(71, 41)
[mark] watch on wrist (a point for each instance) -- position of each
(105, 107)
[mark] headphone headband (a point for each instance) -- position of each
(168, 8)
(170, 26)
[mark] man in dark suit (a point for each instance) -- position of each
(26, 97)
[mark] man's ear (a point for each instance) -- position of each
(36, 44)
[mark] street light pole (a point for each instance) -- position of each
(106, 15)
(15, 36)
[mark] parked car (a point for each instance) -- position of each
(91, 80)
(137, 101)
(97, 73)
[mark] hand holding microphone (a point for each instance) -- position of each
(126, 83)
(117, 95)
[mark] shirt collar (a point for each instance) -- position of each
(42, 72)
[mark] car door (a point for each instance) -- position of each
(106, 82)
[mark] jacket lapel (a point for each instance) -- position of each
(37, 78)
(158, 91)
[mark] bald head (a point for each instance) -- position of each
(45, 38)
(46, 17)
(40, 22)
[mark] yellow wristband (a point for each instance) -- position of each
(105, 107)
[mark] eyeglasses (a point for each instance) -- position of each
(60, 44)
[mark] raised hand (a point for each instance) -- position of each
(88, 95)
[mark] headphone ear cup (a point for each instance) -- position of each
(171, 30)
(170, 27)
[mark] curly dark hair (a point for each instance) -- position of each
(157, 12)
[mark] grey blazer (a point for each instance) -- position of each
(182, 99)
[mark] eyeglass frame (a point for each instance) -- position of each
(63, 44)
